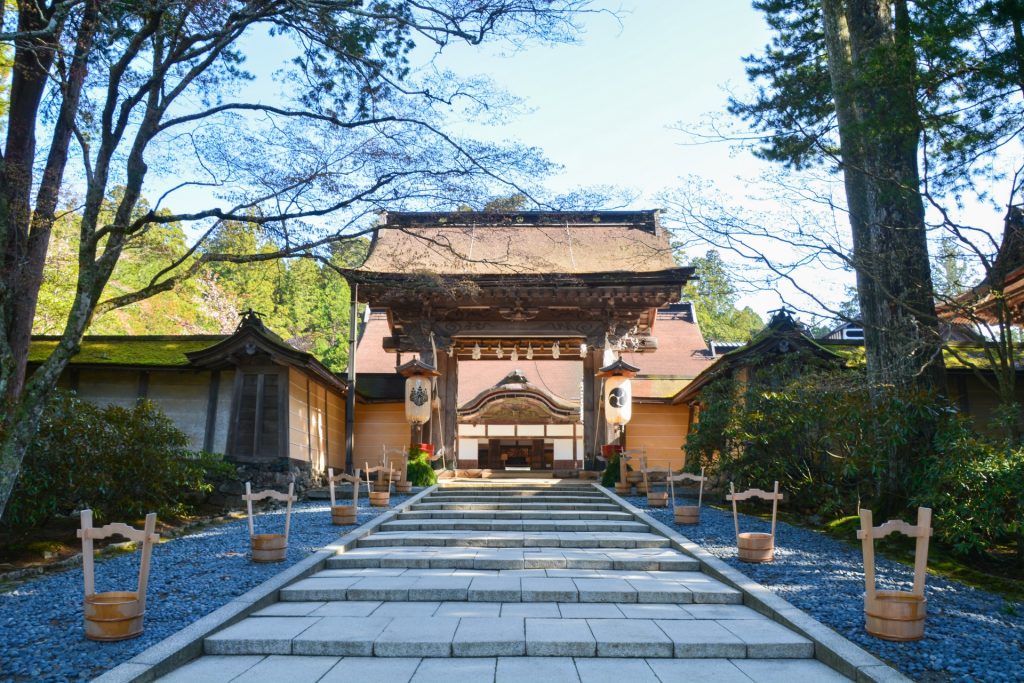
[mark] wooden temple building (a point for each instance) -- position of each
(516, 311)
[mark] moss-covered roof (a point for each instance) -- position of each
(128, 350)
(965, 357)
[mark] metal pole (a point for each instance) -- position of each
(350, 397)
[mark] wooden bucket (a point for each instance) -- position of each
(623, 488)
(403, 486)
(641, 488)
(269, 547)
(113, 616)
(755, 547)
(380, 499)
(657, 499)
(382, 487)
(688, 514)
(342, 515)
(896, 615)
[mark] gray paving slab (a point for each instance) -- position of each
(288, 668)
(495, 589)
(549, 590)
(406, 609)
(722, 612)
(289, 609)
(538, 610)
(768, 639)
(788, 671)
(703, 671)
(615, 670)
(345, 636)
(605, 590)
(258, 636)
(359, 608)
(692, 638)
(589, 610)
(489, 637)
(372, 669)
(212, 669)
(469, 609)
(462, 670)
(440, 588)
(559, 638)
(536, 670)
(653, 611)
(630, 638)
(417, 637)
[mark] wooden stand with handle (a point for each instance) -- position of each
(626, 480)
(687, 514)
(751, 546)
(655, 499)
(269, 547)
(895, 615)
(116, 615)
(380, 493)
(342, 515)
(399, 459)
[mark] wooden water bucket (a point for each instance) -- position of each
(896, 615)
(382, 487)
(116, 615)
(342, 515)
(380, 491)
(688, 514)
(380, 499)
(403, 486)
(641, 488)
(657, 499)
(269, 547)
(623, 488)
(755, 547)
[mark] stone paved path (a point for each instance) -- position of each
(508, 582)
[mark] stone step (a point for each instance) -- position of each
(513, 539)
(514, 514)
(434, 557)
(399, 634)
(529, 586)
(596, 526)
(594, 507)
(453, 498)
(325, 669)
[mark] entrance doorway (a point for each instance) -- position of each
(516, 454)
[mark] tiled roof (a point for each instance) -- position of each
(134, 350)
(681, 352)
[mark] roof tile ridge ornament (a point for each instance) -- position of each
(618, 368)
(416, 367)
(251, 318)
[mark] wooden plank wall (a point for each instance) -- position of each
(316, 422)
(376, 424)
(661, 429)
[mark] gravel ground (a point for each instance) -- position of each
(970, 635)
(41, 622)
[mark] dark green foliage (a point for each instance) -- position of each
(421, 472)
(824, 434)
(611, 470)
(974, 488)
(120, 462)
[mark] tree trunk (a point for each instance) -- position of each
(872, 66)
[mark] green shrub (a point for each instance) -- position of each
(421, 472)
(611, 470)
(120, 462)
(974, 489)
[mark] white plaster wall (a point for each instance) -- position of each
(183, 397)
(468, 449)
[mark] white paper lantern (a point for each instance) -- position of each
(618, 400)
(417, 399)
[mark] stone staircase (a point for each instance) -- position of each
(508, 581)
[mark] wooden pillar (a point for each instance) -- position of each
(595, 427)
(445, 432)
